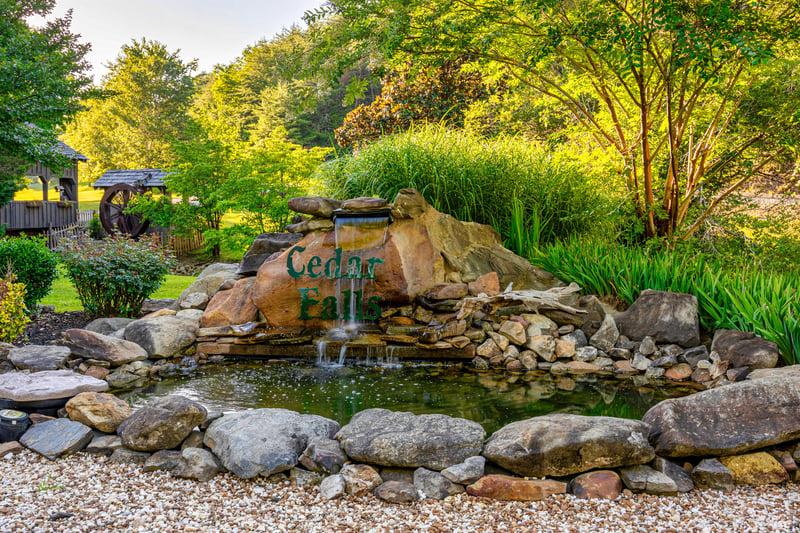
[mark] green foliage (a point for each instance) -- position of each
(113, 277)
(96, 230)
(12, 307)
(33, 263)
(527, 193)
(747, 299)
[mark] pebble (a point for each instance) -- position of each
(87, 493)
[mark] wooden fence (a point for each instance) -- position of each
(75, 232)
(85, 216)
(182, 245)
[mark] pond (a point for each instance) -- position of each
(338, 392)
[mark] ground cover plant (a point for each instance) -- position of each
(113, 277)
(34, 265)
(747, 299)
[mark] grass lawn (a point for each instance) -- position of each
(88, 198)
(65, 298)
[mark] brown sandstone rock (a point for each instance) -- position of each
(604, 484)
(488, 284)
(447, 291)
(679, 372)
(98, 410)
(317, 206)
(364, 203)
(514, 331)
(755, 469)
(507, 488)
(231, 307)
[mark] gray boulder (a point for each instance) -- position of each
(210, 280)
(106, 326)
(104, 445)
(467, 472)
(196, 463)
(388, 438)
(727, 420)
(264, 441)
(606, 337)
(563, 444)
(396, 492)
(745, 349)
(263, 247)
(668, 317)
(678, 474)
(47, 385)
(57, 438)
(162, 460)
(152, 305)
(194, 300)
(191, 314)
(332, 487)
(434, 485)
(161, 424)
(37, 358)
(642, 478)
(126, 456)
(162, 336)
(91, 345)
(711, 474)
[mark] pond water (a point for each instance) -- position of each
(338, 392)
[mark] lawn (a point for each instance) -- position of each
(88, 197)
(65, 298)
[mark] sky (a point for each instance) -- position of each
(211, 31)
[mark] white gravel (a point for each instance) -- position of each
(98, 496)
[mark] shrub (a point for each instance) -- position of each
(114, 276)
(34, 265)
(527, 193)
(96, 230)
(12, 307)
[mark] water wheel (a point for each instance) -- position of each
(112, 211)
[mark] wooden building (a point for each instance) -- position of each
(37, 216)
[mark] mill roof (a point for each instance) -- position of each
(67, 150)
(141, 177)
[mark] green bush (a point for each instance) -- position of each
(113, 277)
(748, 299)
(96, 230)
(12, 307)
(530, 195)
(33, 263)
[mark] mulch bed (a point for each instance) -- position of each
(48, 327)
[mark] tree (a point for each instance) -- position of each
(685, 93)
(43, 77)
(151, 91)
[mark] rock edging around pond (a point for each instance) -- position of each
(745, 433)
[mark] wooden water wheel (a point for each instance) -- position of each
(112, 211)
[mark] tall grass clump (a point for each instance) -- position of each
(528, 194)
(746, 299)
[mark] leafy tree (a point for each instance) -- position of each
(152, 90)
(690, 96)
(43, 77)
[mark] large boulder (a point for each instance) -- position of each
(727, 420)
(668, 317)
(263, 247)
(562, 444)
(108, 325)
(196, 463)
(264, 441)
(231, 306)
(47, 385)
(211, 279)
(90, 345)
(37, 358)
(744, 349)
(57, 438)
(98, 410)
(162, 336)
(389, 438)
(161, 424)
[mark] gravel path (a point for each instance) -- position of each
(83, 493)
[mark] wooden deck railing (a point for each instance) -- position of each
(38, 215)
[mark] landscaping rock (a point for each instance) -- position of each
(263, 247)
(563, 444)
(124, 380)
(153, 305)
(303, 477)
(191, 314)
(210, 280)
(98, 410)
(264, 441)
(745, 349)
(711, 474)
(642, 478)
(10, 448)
(736, 418)
(678, 474)
(104, 445)
(162, 460)
(56, 438)
(194, 300)
(606, 337)
(161, 424)
(127, 456)
(37, 358)
(387, 438)
(539, 325)
(90, 345)
(106, 326)
(316, 206)
(488, 284)
(513, 331)
(163, 336)
(679, 372)
(506, 488)
(586, 354)
(434, 485)
(467, 472)
(360, 479)
(668, 317)
(194, 440)
(396, 492)
(332, 487)
(544, 346)
(47, 385)
(447, 291)
(755, 469)
(600, 484)
(577, 338)
(323, 455)
(312, 225)
(196, 463)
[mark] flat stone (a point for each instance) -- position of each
(501, 341)
(124, 380)
(387, 438)
(162, 460)
(360, 479)
(755, 469)
(447, 291)
(97, 372)
(194, 300)
(127, 456)
(713, 475)
(733, 419)
(10, 448)
(745, 349)
(155, 304)
(665, 361)
(792, 371)
(37, 358)
(317, 206)
(103, 445)
(364, 203)
(106, 326)
(470, 471)
(332, 487)
(678, 474)
(506, 488)
(668, 317)
(47, 385)
(642, 478)
(434, 485)
(600, 484)
(98, 410)
(264, 441)
(563, 444)
(161, 424)
(514, 331)
(57, 438)
(90, 345)
(400, 492)
(196, 463)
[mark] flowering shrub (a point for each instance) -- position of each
(34, 264)
(114, 276)
(12, 307)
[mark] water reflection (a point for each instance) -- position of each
(493, 400)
